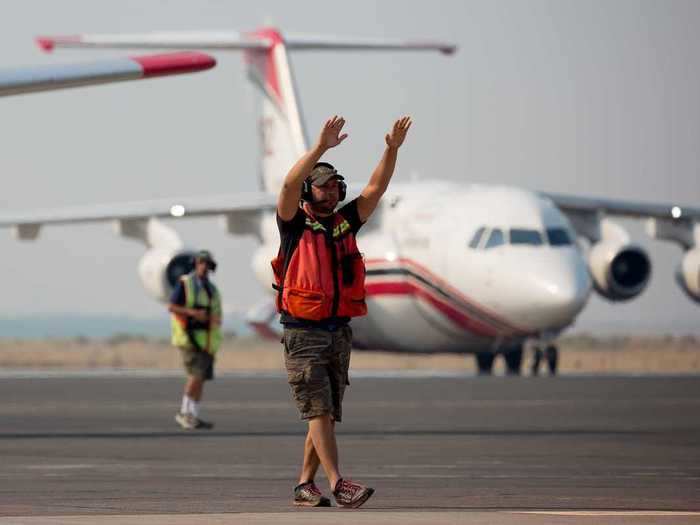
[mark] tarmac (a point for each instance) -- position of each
(90, 448)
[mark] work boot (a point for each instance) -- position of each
(308, 495)
(350, 494)
(186, 421)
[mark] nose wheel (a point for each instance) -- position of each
(550, 355)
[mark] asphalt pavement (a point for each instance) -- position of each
(82, 449)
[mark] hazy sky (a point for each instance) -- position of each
(595, 98)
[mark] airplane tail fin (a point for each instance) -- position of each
(282, 128)
(282, 132)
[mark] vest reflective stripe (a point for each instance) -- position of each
(207, 339)
(325, 276)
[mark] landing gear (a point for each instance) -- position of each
(550, 354)
(484, 362)
(514, 360)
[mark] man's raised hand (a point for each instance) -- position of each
(395, 138)
(330, 134)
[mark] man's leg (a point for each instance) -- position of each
(194, 388)
(322, 434)
(311, 459)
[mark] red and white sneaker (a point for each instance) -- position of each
(350, 494)
(308, 495)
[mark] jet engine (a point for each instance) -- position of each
(619, 271)
(159, 270)
(688, 274)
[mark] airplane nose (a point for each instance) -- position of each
(551, 293)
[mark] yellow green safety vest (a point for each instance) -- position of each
(197, 297)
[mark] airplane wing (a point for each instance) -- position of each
(31, 79)
(666, 221)
(238, 209)
(633, 209)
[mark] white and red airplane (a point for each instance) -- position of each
(474, 268)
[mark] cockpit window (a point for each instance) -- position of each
(495, 239)
(477, 237)
(520, 236)
(558, 237)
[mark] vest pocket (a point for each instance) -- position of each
(306, 304)
(353, 291)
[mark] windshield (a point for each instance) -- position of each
(495, 239)
(520, 236)
(558, 237)
(477, 237)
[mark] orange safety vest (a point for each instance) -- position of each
(325, 275)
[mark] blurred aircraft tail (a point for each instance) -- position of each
(282, 129)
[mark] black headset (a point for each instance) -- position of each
(307, 195)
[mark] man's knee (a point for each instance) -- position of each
(321, 418)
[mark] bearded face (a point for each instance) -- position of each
(325, 197)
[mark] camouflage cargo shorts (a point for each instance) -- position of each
(198, 364)
(317, 364)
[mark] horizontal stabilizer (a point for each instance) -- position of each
(235, 40)
(51, 77)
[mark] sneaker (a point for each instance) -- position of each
(186, 421)
(350, 494)
(308, 495)
(200, 424)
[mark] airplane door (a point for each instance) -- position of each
(422, 242)
(417, 235)
(474, 264)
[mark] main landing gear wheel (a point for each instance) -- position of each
(536, 360)
(551, 354)
(484, 362)
(514, 361)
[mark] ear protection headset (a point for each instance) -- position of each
(307, 195)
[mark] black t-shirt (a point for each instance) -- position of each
(290, 233)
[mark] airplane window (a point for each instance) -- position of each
(495, 239)
(558, 237)
(477, 237)
(518, 236)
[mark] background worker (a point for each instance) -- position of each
(320, 277)
(195, 306)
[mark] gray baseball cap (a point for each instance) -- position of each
(322, 173)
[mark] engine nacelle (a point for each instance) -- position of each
(160, 270)
(619, 271)
(688, 274)
(261, 266)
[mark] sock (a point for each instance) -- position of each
(194, 408)
(185, 407)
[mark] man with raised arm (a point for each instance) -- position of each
(320, 283)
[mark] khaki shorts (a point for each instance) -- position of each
(317, 364)
(198, 364)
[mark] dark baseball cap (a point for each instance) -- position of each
(322, 173)
(205, 255)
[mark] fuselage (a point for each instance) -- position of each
(455, 268)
